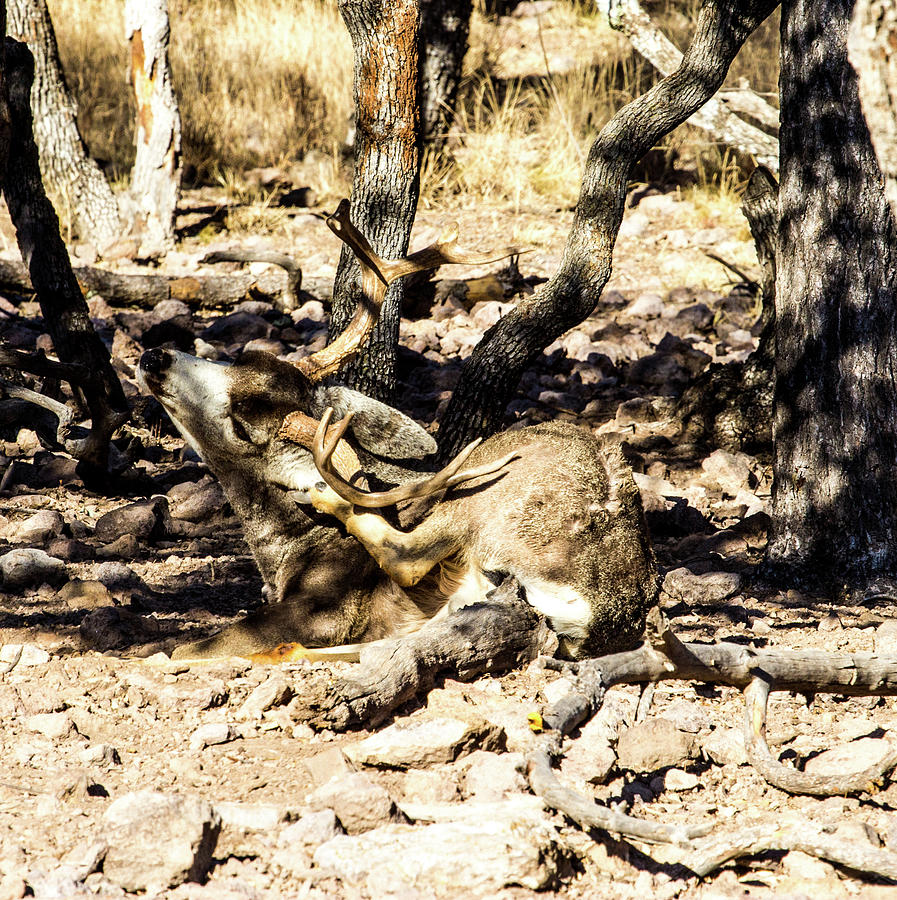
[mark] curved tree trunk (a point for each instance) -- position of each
(65, 312)
(493, 370)
(834, 517)
(444, 29)
(65, 165)
(387, 168)
(156, 177)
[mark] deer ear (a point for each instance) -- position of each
(377, 427)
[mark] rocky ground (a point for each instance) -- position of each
(126, 772)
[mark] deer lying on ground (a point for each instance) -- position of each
(547, 504)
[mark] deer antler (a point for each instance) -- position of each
(326, 441)
(376, 276)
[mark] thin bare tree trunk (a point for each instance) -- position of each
(387, 169)
(66, 316)
(156, 177)
(65, 166)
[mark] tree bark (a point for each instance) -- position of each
(387, 169)
(872, 50)
(445, 27)
(65, 312)
(492, 372)
(156, 177)
(65, 164)
(834, 502)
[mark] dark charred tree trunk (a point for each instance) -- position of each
(492, 372)
(65, 165)
(444, 29)
(387, 168)
(156, 177)
(834, 517)
(5, 116)
(66, 316)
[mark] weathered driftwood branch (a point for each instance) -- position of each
(756, 672)
(205, 291)
(718, 115)
(39, 364)
(63, 307)
(290, 297)
(495, 636)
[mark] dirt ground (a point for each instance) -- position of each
(126, 774)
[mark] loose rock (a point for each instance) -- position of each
(654, 744)
(157, 841)
(358, 803)
(707, 589)
(145, 520)
(29, 568)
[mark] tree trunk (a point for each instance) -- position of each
(5, 115)
(66, 316)
(872, 49)
(492, 372)
(834, 517)
(387, 168)
(444, 29)
(156, 178)
(65, 166)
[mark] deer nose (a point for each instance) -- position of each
(155, 361)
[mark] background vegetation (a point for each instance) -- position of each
(269, 83)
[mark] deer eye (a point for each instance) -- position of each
(240, 431)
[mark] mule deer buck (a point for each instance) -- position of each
(343, 565)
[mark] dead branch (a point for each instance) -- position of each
(118, 289)
(718, 115)
(499, 634)
(755, 672)
(290, 297)
(39, 364)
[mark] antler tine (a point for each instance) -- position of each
(376, 276)
(323, 447)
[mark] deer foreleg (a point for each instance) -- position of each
(405, 556)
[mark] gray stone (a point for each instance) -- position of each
(358, 803)
(687, 715)
(196, 501)
(312, 830)
(273, 692)
(249, 816)
(729, 472)
(159, 840)
(54, 725)
(439, 785)
(99, 755)
(113, 626)
(705, 589)
(492, 776)
(24, 655)
(39, 528)
(853, 757)
(886, 637)
(327, 764)
(646, 306)
(654, 744)
(675, 780)
(725, 746)
(30, 568)
(587, 761)
(79, 594)
(212, 733)
(469, 859)
(117, 576)
(803, 867)
(145, 520)
(424, 742)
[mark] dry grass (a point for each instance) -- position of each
(268, 83)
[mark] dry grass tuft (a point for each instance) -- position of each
(269, 83)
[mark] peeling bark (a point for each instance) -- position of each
(387, 168)
(65, 164)
(156, 177)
